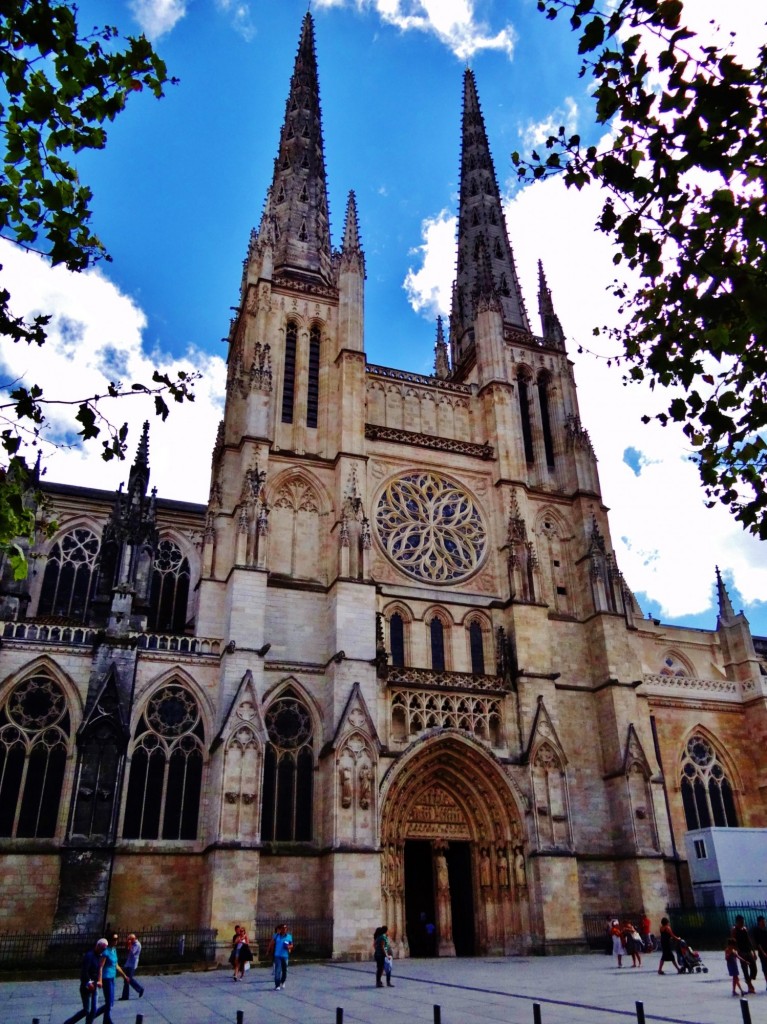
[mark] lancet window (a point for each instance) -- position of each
(523, 387)
(34, 737)
(165, 779)
(476, 648)
(437, 640)
(548, 437)
(289, 379)
(288, 772)
(707, 793)
(170, 589)
(397, 640)
(70, 575)
(313, 393)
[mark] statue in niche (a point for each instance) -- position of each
(392, 858)
(442, 880)
(519, 867)
(346, 786)
(365, 781)
(503, 869)
(484, 868)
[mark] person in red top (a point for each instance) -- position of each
(645, 927)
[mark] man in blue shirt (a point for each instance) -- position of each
(283, 946)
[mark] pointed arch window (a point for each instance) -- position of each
(34, 737)
(288, 772)
(477, 649)
(289, 379)
(70, 576)
(170, 589)
(437, 638)
(397, 640)
(313, 392)
(548, 437)
(165, 781)
(707, 793)
(523, 386)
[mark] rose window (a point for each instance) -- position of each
(431, 528)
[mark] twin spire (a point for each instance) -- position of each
(296, 222)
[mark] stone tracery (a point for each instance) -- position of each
(431, 528)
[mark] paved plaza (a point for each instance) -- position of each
(587, 989)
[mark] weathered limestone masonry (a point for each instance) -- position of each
(391, 672)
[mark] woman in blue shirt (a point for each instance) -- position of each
(108, 969)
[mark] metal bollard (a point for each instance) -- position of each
(537, 1013)
(339, 1015)
(640, 1012)
(240, 1017)
(35, 1020)
(745, 1010)
(437, 1014)
(139, 1018)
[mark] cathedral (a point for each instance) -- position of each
(391, 672)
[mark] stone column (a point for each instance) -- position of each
(445, 944)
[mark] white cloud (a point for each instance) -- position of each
(429, 287)
(97, 335)
(454, 22)
(536, 133)
(240, 16)
(157, 17)
(666, 541)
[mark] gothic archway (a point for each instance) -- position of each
(450, 817)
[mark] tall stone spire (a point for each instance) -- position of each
(441, 361)
(483, 242)
(298, 202)
(351, 247)
(553, 335)
(726, 611)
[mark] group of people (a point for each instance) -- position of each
(744, 950)
(280, 947)
(626, 939)
(744, 947)
(99, 969)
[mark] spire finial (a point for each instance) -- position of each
(553, 335)
(441, 361)
(726, 611)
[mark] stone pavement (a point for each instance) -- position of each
(587, 989)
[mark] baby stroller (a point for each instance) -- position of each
(690, 960)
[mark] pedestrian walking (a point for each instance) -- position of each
(732, 956)
(130, 967)
(759, 940)
(89, 973)
(746, 951)
(281, 946)
(382, 952)
(109, 968)
(667, 940)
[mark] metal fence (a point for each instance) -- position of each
(64, 949)
(709, 927)
(312, 936)
(704, 927)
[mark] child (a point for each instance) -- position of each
(731, 956)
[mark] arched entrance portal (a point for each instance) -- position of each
(453, 852)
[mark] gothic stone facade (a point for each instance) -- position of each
(391, 671)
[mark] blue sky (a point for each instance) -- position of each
(182, 181)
